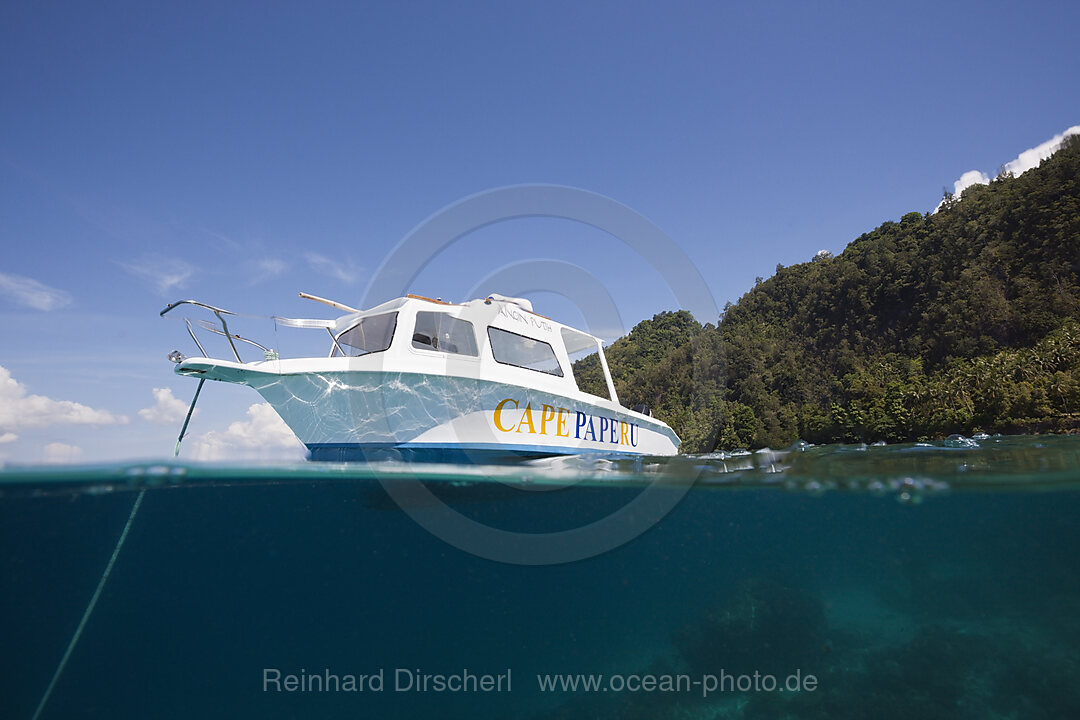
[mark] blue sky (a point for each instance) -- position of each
(240, 152)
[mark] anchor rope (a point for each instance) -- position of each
(90, 607)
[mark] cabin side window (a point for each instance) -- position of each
(585, 366)
(445, 333)
(512, 349)
(371, 334)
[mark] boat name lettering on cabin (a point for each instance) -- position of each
(525, 318)
(549, 420)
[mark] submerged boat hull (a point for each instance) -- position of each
(378, 414)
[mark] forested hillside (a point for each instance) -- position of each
(952, 322)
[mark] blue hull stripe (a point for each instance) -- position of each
(433, 452)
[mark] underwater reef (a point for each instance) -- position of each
(895, 661)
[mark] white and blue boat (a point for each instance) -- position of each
(422, 379)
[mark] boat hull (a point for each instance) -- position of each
(377, 414)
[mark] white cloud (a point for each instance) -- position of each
(1031, 157)
(8, 438)
(343, 270)
(19, 409)
(32, 294)
(264, 435)
(971, 177)
(60, 453)
(1025, 161)
(166, 410)
(267, 269)
(165, 274)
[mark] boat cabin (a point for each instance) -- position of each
(497, 337)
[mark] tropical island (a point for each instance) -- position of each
(963, 320)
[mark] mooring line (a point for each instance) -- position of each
(90, 607)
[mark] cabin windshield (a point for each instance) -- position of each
(444, 333)
(371, 334)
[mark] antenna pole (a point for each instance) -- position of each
(331, 303)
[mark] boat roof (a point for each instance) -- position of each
(575, 339)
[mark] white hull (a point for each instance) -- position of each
(346, 414)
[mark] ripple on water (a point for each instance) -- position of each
(908, 471)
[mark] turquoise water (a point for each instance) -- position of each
(907, 581)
